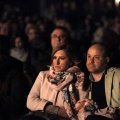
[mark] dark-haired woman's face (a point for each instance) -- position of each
(18, 42)
(60, 61)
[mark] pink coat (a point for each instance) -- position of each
(42, 93)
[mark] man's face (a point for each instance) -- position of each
(96, 62)
(58, 38)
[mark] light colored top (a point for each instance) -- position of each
(19, 54)
(42, 93)
(112, 87)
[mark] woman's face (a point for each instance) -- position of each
(18, 42)
(32, 35)
(60, 61)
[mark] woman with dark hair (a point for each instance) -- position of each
(18, 49)
(55, 93)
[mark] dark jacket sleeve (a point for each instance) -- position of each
(13, 92)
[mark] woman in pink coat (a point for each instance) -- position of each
(55, 92)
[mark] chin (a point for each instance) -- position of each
(57, 70)
(91, 70)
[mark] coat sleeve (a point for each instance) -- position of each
(34, 101)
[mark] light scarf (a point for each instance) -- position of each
(65, 82)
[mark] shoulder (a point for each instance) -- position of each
(114, 72)
(43, 74)
(42, 77)
(113, 69)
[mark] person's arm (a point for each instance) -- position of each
(52, 109)
(34, 102)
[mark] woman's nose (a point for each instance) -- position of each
(57, 61)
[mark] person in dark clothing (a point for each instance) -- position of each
(13, 89)
(112, 40)
(104, 84)
(40, 51)
(38, 57)
(5, 43)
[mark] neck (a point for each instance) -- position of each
(97, 76)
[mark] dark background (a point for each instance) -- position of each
(26, 6)
(30, 7)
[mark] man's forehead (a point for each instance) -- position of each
(58, 31)
(96, 48)
(97, 52)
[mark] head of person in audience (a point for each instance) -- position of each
(28, 26)
(5, 28)
(33, 34)
(59, 36)
(18, 42)
(116, 25)
(64, 57)
(97, 58)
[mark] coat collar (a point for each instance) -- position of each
(108, 84)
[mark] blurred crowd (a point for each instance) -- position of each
(27, 38)
(88, 22)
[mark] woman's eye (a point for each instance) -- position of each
(88, 56)
(54, 57)
(62, 58)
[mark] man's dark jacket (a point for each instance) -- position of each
(13, 91)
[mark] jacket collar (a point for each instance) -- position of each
(108, 84)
